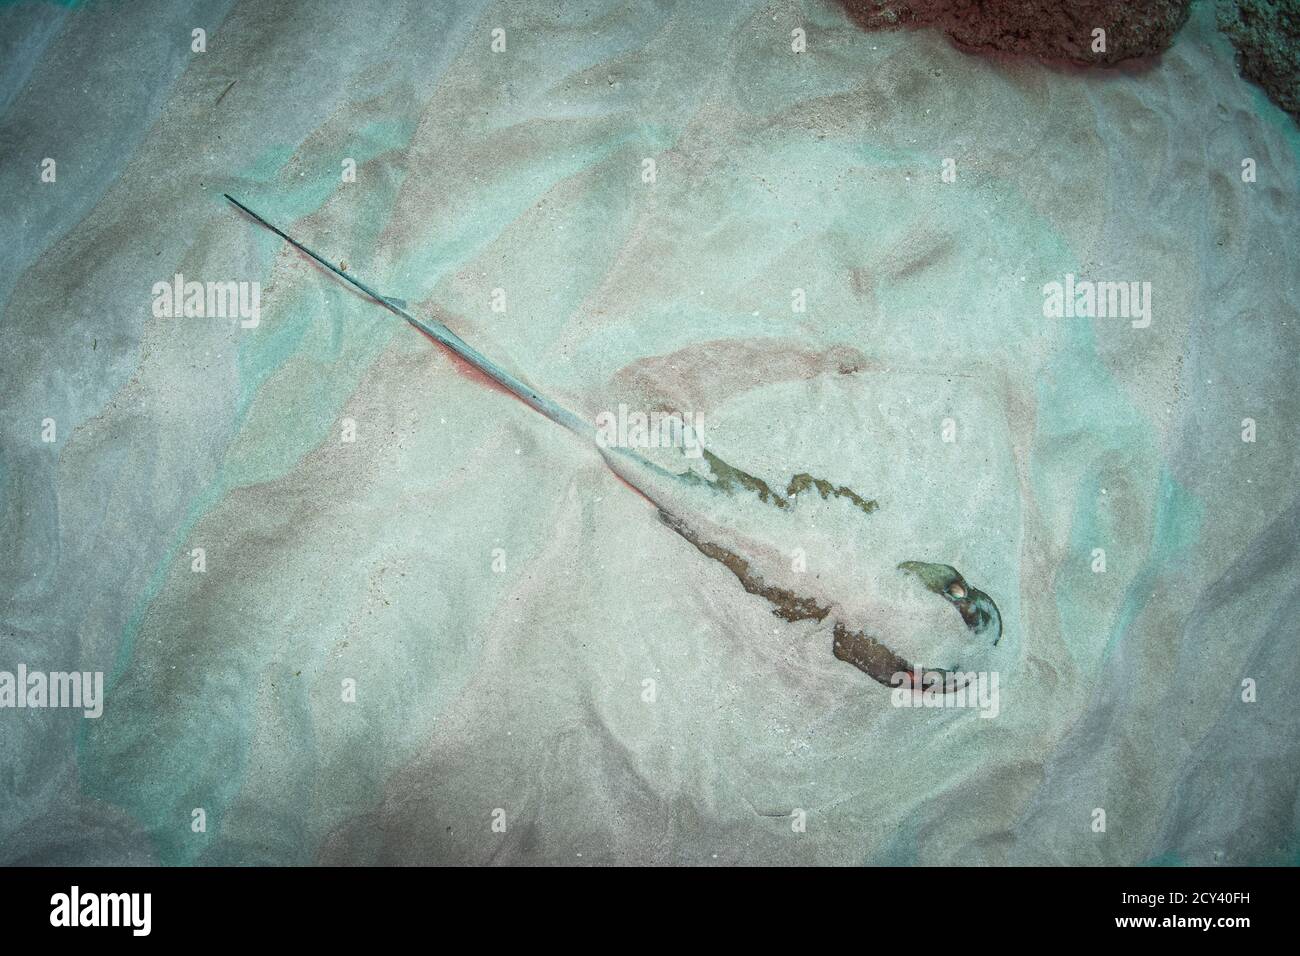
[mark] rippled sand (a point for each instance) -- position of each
(529, 643)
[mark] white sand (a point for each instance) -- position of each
(525, 689)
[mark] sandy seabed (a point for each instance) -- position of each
(544, 672)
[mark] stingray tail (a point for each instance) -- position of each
(440, 333)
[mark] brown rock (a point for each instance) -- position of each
(1266, 34)
(1053, 30)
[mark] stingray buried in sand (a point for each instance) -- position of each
(739, 521)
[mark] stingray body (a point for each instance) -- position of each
(741, 522)
(754, 531)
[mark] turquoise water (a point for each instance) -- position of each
(497, 596)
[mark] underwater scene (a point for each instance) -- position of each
(639, 433)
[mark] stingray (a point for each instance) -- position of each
(701, 499)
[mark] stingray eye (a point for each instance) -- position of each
(957, 590)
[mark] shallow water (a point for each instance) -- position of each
(524, 634)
